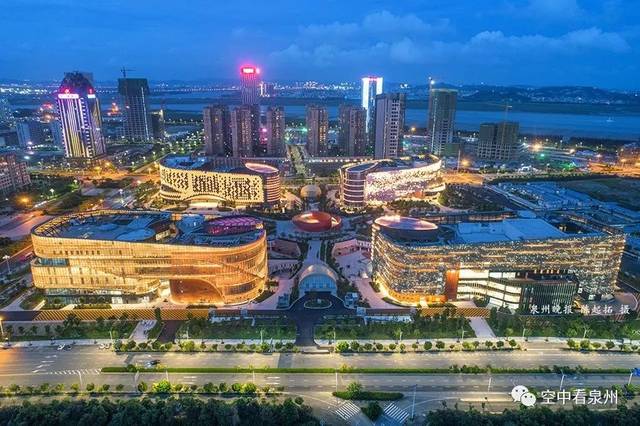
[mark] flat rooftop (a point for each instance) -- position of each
(141, 226)
(185, 162)
(392, 164)
(506, 230)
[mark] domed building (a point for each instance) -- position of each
(310, 192)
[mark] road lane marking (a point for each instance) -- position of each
(347, 410)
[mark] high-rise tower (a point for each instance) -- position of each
(441, 119)
(275, 132)
(371, 87)
(134, 93)
(217, 130)
(352, 137)
(317, 130)
(249, 85)
(80, 118)
(390, 108)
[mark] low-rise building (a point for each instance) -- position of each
(514, 262)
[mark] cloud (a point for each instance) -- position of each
(572, 42)
(418, 47)
(377, 26)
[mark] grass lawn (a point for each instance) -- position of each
(200, 328)
(419, 328)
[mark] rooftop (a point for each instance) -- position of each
(185, 162)
(506, 230)
(392, 164)
(149, 227)
(405, 223)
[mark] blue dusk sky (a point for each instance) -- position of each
(534, 42)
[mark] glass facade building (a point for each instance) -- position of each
(136, 256)
(509, 261)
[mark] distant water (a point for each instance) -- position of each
(578, 125)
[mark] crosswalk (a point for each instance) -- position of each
(84, 372)
(347, 410)
(395, 413)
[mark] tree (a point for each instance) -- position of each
(354, 388)
(90, 387)
(440, 344)
(427, 345)
(142, 387)
(249, 389)
(341, 346)
(373, 410)
(610, 344)
(162, 387)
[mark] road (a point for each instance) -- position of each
(17, 361)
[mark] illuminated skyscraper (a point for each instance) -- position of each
(371, 87)
(137, 116)
(217, 130)
(440, 122)
(249, 85)
(275, 132)
(317, 130)
(80, 118)
(389, 127)
(353, 135)
(245, 130)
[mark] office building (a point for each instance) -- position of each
(134, 93)
(515, 262)
(440, 121)
(157, 125)
(371, 87)
(389, 127)
(317, 130)
(121, 256)
(13, 173)
(245, 130)
(249, 85)
(275, 132)
(217, 130)
(498, 141)
(352, 136)
(377, 182)
(201, 179)
(30, 133)
(80, 118)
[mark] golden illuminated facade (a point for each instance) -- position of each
(191, 179)
(135, 256)
(490, 259)
(382, 181)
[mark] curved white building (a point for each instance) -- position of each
(184, 178)
(381, 181)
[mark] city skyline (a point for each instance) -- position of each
(536, 42)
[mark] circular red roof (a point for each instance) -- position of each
(314, 221)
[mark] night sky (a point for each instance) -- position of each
(537, 42)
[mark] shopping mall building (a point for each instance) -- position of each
(382, 181)
(137, 256)
(514, 262)
(184, 178)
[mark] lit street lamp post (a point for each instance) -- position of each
(6, 258)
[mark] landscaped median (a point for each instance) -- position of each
(454, 369)
(356, 392)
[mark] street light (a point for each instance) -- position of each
(6, 258)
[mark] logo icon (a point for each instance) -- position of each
(522, 395)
